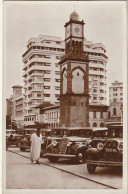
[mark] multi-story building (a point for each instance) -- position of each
(97, 72)
(9, 106)
(17, 99)
(19, 117)
(115, 103)
(42, 73)
(116, 92)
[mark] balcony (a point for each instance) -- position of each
(98, 58)
(36, 89)
(93, 72)
(37, 82)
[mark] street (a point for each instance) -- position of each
(22, 174)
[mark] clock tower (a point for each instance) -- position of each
(74, 88)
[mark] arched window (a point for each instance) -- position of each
(114, 111)
(101, 124)
(94, 124)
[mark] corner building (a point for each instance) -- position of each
(41, 73)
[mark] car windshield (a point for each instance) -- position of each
(59, 132)
(100, 134)
(116, 133)
(81, 133)
(20, 132)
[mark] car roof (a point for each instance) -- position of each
(80, 128)
(100, 128)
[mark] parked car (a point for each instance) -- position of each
(109, 153)
(15, 136)
(25, 143)
(69, 142)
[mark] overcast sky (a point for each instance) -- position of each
(23, 20)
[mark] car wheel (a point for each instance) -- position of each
(22, 149)
(80, 157)
(91, 168)
(52, 159)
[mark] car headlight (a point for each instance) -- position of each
(100, 146)
(69, 143)
(54, 142)
(120, 146)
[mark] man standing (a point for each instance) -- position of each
(36, 140)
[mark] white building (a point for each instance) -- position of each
(41, 73)
(97, 72)
(116, 92)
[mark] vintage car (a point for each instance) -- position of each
(26, 144)
(15, 136)
(69, 142)
(25, 141)
(109, 153)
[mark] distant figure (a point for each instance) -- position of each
(36, 139)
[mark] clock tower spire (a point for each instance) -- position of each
(74, 96)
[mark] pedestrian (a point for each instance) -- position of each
(36, 139)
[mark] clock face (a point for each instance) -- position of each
(77, 30)
(67, 31)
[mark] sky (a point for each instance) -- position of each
(23, 20)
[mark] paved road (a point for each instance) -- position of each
(22, 174)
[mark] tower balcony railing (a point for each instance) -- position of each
(75, 56)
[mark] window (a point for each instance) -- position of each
(94, 98)
(57, 87)
(57, 72)
(47, 79)
(57, 80)
(57, 95)
(38, 95)
(94, 114)
(101, 124)
(47, 56)
(114, 111)
(94, 124)
(46, 95)
(115, 94)
(47, 72)
(77, 73)
(46, 87)
(94, 90)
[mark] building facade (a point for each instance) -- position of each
(41, 73)
(19, 117)
(50, 115)
(116, 92)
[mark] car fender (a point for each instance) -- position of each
(79, 147)
(49, 147)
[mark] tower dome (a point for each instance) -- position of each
(74, 16)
